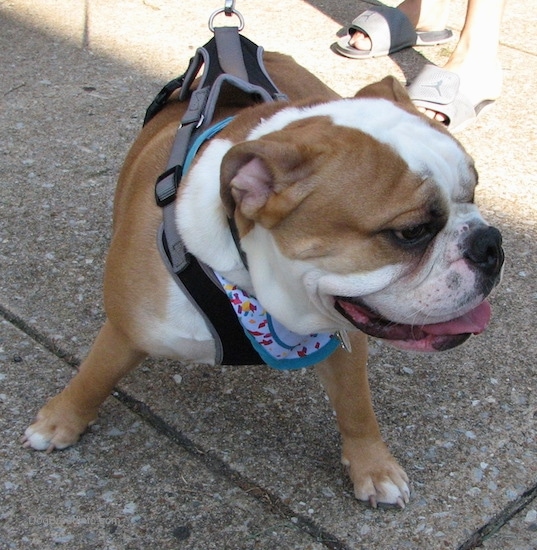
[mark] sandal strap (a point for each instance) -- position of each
(389, 29)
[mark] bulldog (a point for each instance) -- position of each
(356, 217)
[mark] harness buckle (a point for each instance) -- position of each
(167, 184)
(162, 97)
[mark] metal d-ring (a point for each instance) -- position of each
(229, 10)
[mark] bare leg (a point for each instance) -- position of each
(64, 418)
(475, 58)
(374, 472)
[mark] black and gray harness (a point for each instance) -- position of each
(230, 61)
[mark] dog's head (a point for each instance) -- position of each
(360, 212)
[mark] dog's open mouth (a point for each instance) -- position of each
(434, 337)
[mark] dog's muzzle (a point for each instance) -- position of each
(484, 255)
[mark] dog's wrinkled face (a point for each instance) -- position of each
(359, 212)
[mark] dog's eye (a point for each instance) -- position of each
(414, 235)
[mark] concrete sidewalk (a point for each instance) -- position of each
(191, 456)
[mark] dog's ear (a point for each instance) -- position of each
(258, 179)
(245, 181)
(388, 88)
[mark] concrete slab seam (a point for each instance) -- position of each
(217, 466)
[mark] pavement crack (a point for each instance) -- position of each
(210, 460)
(216, 465)
(14, 89)
(50, 344)
(500, 519)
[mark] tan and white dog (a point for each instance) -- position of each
(353, 214)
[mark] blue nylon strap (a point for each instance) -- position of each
(201, 139)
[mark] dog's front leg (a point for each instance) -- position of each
(64, 418)
(376, 475)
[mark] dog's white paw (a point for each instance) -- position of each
(33, 439)
(391, 491)
(377, 477)
(57, 426)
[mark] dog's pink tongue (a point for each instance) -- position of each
(473, 322)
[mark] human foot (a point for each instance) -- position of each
(480, 81)
(456, 94)
(424, 16)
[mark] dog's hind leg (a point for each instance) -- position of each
(64, 418)
(376, 475)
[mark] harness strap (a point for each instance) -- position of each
(162, 98)
(227, 52)
(208, 297)
(229, 49)
(170, 179)
(229, 60)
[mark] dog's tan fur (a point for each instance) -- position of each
(135, 287)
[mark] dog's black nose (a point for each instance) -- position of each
(484, 249)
